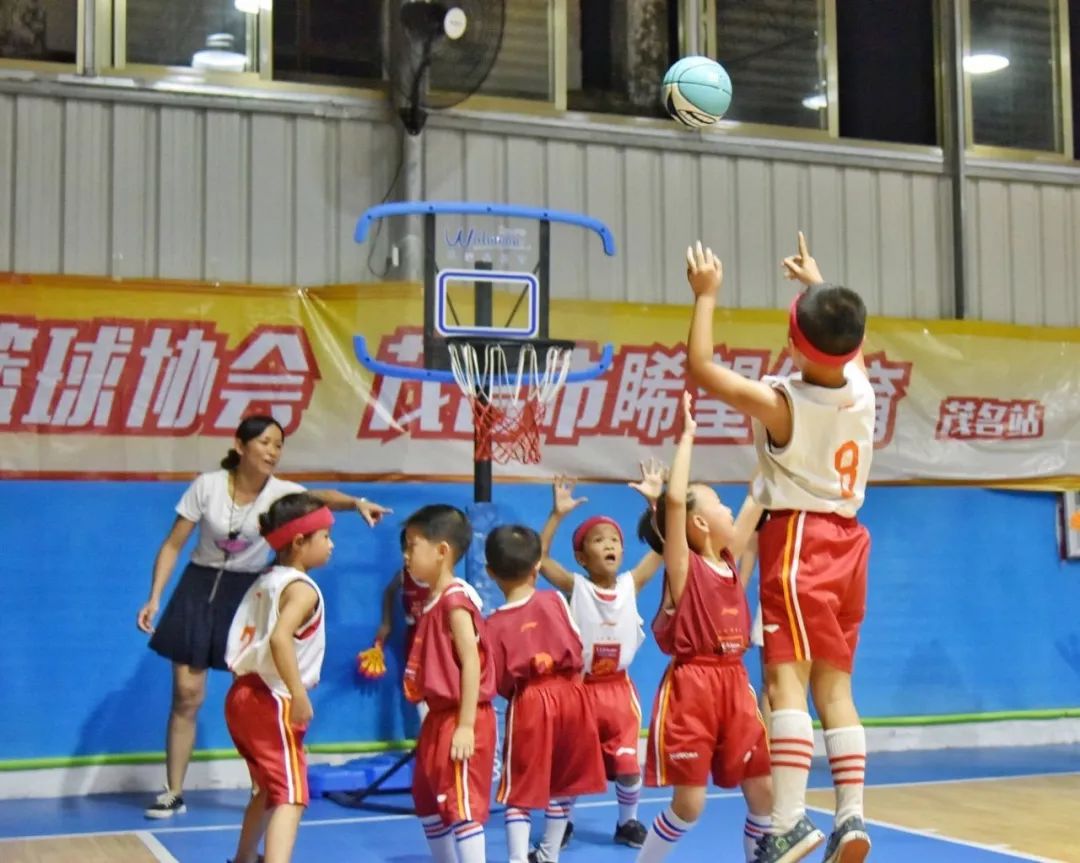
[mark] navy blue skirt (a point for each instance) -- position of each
(194, 627)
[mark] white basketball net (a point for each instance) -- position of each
(508, 405)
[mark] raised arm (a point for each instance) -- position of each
(706, 275)
(650, 486)
(745, 527)
(801, 267)
(563, 503)
(676, 548)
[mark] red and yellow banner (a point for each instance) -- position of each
(103, 378)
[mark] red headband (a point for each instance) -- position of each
(589, 524)
(800, 341)
(280, 537)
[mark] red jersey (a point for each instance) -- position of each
(414, 596)
(533, 638)
(433, 671)
(711, 619)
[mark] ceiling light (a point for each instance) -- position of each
(984, 64)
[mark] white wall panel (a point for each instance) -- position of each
(227, 174)
(134, 191)
(7, 181)
(87, 145)
(38, 220)
(181, 203)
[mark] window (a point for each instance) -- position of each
(40, 30)
(1013, 73)
(523, 67)
(774, 51)
(618, 53)
(336, 42)
(886, 62)
(207, 34)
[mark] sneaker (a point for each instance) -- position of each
(166, 806)
(631, 833)
(788, 847)
(567, 834)
(849, 843)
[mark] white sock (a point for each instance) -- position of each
(556, 817)
(791, 746)
(667, 830)
(755, 827)
(847, 758)
(518, 825)
(628, 796)
(469, 837)
(440, 839)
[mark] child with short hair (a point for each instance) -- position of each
(705, 718)
(603, 604)
(275, 650)
(549, 756)
(450, 667)
(814, 434)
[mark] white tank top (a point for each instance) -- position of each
(609, 622)
(825, 465)
(248, 647)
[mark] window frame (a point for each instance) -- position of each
(1063, 118)
(50, 67)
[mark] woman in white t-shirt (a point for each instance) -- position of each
(229, 554)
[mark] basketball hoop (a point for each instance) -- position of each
(509, 383)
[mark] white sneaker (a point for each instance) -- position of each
(166, 806)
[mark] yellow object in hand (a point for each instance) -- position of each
(371, 663)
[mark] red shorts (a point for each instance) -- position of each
(454, 790)
(550, 749)
(617, 708)
(269, 742)
(706, 721)
(813, 587)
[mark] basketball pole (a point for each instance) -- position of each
(483, 316)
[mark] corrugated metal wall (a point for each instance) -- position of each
(884, 232)
(133, 190)
(181, 191)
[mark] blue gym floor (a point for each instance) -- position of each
(207, 832)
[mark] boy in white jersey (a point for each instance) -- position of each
(275, 650)
(814, 434)
(604, 607)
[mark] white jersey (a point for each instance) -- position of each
(248, 647)
(826, 463)
(229, 533)
(610, 626)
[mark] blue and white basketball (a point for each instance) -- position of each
(696, 91)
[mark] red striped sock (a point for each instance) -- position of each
(791, 748)
(847, 758)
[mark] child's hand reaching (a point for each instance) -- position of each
(563, 492)
(704, 271)
(689, 424)
(802, 267)
(653, 476)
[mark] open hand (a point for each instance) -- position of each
(563, 492)
(704, 271)
(653, 475)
